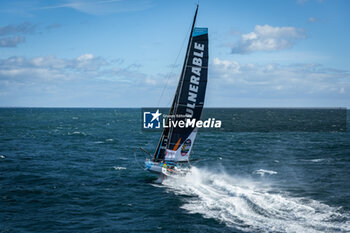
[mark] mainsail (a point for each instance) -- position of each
(176, 143)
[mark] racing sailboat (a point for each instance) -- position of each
(175, 144)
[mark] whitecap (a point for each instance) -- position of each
(2, 156)
(317, 160)
(109, 140)
(98, 142)
(119, 168)
(77, 133)
(262, 172)
(123, 158)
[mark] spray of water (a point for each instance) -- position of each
(253, 206)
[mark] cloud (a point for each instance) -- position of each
(12, 67)
(11, 41)
(101, 7)
(23, 28)
(50, 68)
(268, 38)
(91, 81)
(47, 77)
(274, 81)
(312, 20)
(304, 1)
(317, 20)
(11, 35)
(85, 80)
(53, 26)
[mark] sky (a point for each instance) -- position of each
(129, 53)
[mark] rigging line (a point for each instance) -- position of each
(172, 71)
(137, 162)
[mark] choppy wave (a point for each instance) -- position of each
(252, 206)
(119, 168)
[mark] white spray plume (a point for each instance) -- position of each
(253, 206)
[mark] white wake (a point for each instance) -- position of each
(254, 206)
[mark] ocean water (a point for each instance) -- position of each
(76, 170)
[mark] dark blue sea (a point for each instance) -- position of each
(75, 170)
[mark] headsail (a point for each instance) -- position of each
(176, 143)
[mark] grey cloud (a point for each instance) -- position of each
(53, 26)
(11, 35)
(24, 28)
(11, 41)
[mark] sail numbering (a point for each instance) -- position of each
(171, 156)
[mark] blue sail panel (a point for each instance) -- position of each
(199, 31)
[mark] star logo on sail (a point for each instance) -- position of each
(151, 120)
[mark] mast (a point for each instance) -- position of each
(179, 86)
(184, 65)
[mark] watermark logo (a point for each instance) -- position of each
(155, 119)
(245, 120)
(151, 120)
